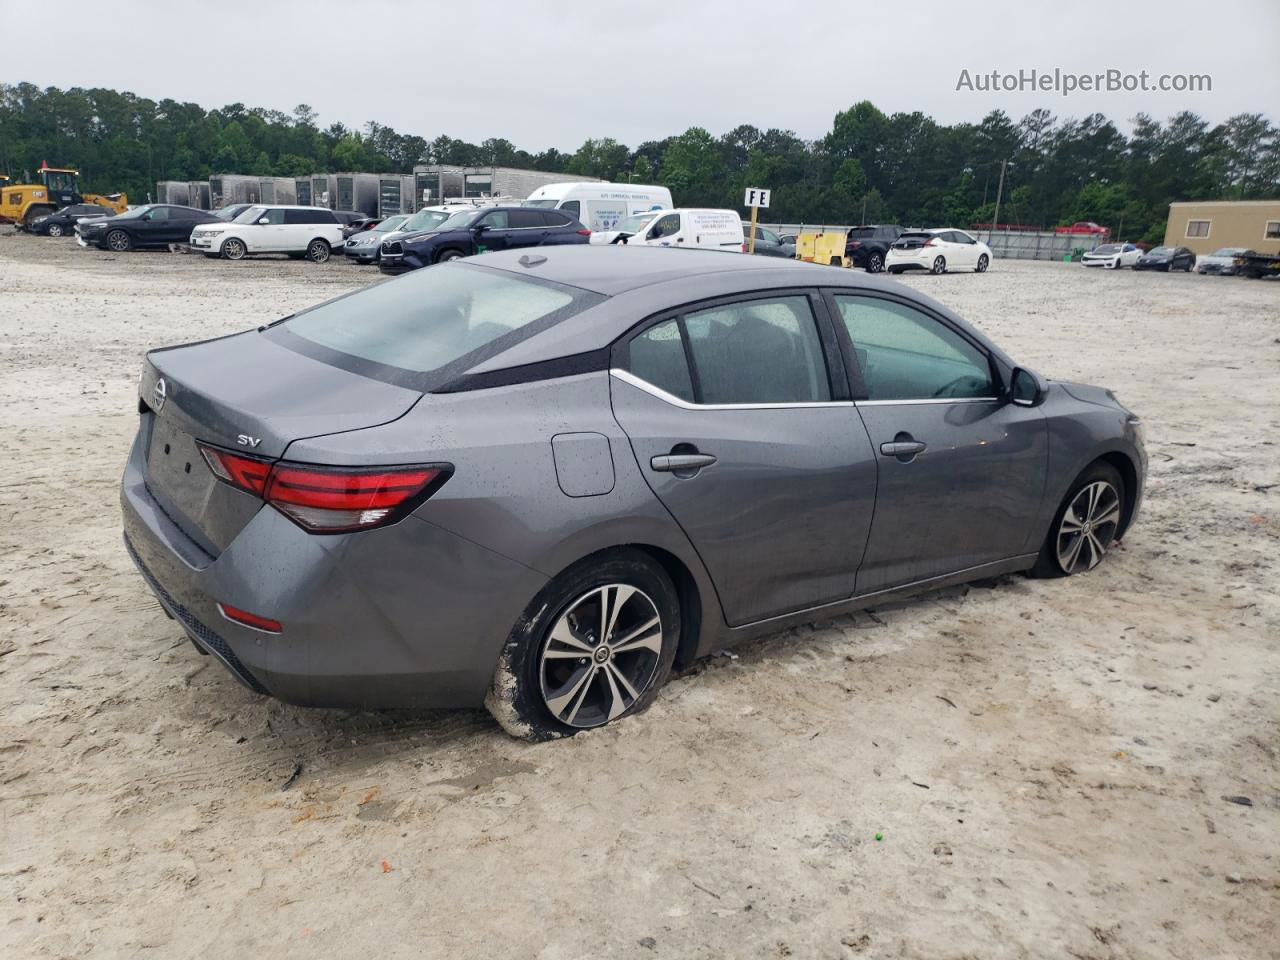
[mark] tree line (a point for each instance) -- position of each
(870, 167)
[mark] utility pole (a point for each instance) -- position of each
(999, 193)
(864, 209)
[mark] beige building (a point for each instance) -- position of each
(1205, 227)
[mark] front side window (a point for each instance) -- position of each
(495, 220)
(431, 318)
(274, 217)
(158, 213)
(572, 207)
(906, 355)
(665, 227)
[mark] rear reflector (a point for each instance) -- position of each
(247, 619)
(324, 499)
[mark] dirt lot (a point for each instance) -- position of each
(1015, 769)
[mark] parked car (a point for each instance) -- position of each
(151, 225)
(63, 222)
(868, 246)
(1222, 261)
(1112, 256)
(364, 247)
(790, 238)
(683, 227)
(359, 224)
(938, 251)
(350, 218)
(600, 205)
(470, 232)
(504, 476)
(768, 243)
(310, 232)
(1167, 259)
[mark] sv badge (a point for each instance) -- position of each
(247, 441)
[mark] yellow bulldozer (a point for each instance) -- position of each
(21, 203)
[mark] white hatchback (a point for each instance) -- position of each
(937, 251)
(310, 232)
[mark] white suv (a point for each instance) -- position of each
(310, 232)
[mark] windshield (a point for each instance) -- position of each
(460, 221)
(635, 223)
(252, 215)
(1107, 248)
(389, 224)
(1161, 252)
(546, 204)
(135, 212)
(433, 317)
(425, 220)
(229, 213)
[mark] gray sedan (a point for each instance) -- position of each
(539, 479)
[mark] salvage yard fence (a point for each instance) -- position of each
(1004, 244)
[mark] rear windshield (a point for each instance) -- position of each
(915, 236)
(545, 204)
(424, 328)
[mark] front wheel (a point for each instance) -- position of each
(318, 251)
(983, 262)
(55, 230)
(448, 255)
(233, 248)
(939, 265)
(1086, 524)
(119, 241)
(594, 645)
(875, 262)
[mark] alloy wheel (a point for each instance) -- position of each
(875, 264)
(601, 655)
(233, 249)
(939, 264)
(118, 241)
(318, 252)
(1088, 527)
(55, 230)
(982, 263)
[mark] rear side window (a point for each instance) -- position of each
(518, 219)
(158, 213)
(752, 352)
(431, 318)
(554, 218)
(906, 355)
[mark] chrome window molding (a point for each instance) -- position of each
(628, 377)
(889, 403)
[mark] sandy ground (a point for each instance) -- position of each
(1046, 763)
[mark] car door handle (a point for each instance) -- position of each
(902, 448)
(678, 462)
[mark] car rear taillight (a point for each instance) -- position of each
(323, 499)
(744, 247)
(929, 243)
(584, 232)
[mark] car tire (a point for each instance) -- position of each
(939, 265)
(446, 255)
(56, 230)
(119, 241)
(318, 251)
(1084, 526)
(233, 248)
(983, 262)
(895, 270)
(875, 262)
(545, 687)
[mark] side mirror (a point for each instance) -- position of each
(264, 220)
(1027, 388)
(480, 228)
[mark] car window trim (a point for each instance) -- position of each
(858, 385)
(837, 384)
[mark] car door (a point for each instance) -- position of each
(153, 227)
(526, 228)
(492, 232)
(961, 469)
(738, 419)
(965, 249)
(665, 231)
(271, 236)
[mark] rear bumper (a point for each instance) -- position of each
(404, 616)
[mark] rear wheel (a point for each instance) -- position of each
(233, 248)
(119, 241)
(1085, 526)
(593, 646)
(983, 262)
(895, 270)
(56, 230)
(318, 251)
(875, 261)
(939, 265)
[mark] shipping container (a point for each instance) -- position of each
(228, 188)
(324, 190)
(188, 193)
(434, 183)
(511, 182)
(356, 191)
(279, 190)
(395, 194)
(302, 190)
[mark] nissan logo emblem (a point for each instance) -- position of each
(159, 394)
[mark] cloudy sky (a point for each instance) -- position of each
(544, 73)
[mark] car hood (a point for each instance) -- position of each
(431, 236)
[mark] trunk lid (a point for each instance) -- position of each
(251, 396)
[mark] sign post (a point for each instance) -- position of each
(755, 198)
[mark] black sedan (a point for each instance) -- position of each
(155, 225)
(1167, 259)
(482, 231)
(63, 222)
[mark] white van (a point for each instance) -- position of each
(599, 205)
(696, 229)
